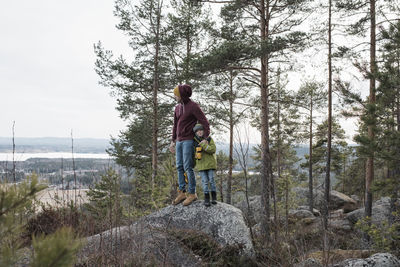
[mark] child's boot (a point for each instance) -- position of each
(207, 199)
(213, 197)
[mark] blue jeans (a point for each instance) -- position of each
(184, 163)
(207, 177)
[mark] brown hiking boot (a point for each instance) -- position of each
(190, 198)
(181, 197)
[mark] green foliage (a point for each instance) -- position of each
(141, 85)
(339, 146)
(105, 198)
(58, 249)
(385, 237)
(16, 203)
(15, 206)
(167, 183)
(145, 197)
(188, 32)
(283, 185)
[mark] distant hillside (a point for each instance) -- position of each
(91, 145)
(53, 144)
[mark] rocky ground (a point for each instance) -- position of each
(220, 236)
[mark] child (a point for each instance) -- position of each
(206, 163)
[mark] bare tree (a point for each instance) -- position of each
(242, 154)
(14, 163)
(73, 165)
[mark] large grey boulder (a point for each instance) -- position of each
(300, 214)
(223, 222)
(254, 216)
(376, 260)
(337, 200)
(380, 212)
(315, 211)
(166, 236)
(135, 244)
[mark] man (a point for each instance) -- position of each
(187, 114)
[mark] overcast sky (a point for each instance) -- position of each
(48, 85)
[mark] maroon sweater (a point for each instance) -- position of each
(187, 114)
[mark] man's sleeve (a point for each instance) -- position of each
(174, 127)
(201, 118)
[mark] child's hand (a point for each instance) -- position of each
(204, 142)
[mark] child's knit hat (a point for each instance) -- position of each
(197, 127)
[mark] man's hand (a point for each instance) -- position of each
(172, 147)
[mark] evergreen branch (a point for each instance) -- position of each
(243, 68)
(19, 202)
(251, 81)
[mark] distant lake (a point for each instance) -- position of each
(52, 155)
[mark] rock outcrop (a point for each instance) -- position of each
(223, 222)
(337, 200)
(380, 212)
(376, 260)
(173, 236)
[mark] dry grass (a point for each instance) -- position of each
(57, 198)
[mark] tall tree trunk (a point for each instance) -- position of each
(279, 167)
(229, 181)
(329, 145)
(310, 172)
(266, 159)
(156, 85)
(187, 60)
(371, 134)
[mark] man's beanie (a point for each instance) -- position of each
(176, 91)
(197, 127)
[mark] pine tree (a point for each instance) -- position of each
(310, 98)
(16, 205)
(267, 36)
(339, 144)
(284, 134)
(140, 86)
(366, 15)
(388, 110)
(105, 199)
(188, 33)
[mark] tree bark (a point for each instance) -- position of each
(279, 168)
(229, 181)
(369, 177)
(329, 145)
(156, 85)
(310, 172)
(266, 162)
